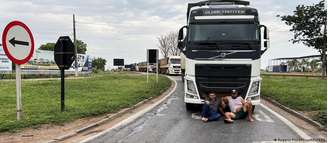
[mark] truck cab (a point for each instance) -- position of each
(221, 46)
(174, 67)
(170, 65)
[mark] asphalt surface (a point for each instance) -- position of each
(170, 123)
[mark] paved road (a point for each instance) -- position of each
(170, 123)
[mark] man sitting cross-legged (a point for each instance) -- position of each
(240, 109)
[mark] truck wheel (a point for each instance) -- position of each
(189, 107)
(253, 109)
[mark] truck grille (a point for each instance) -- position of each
(176, 66)
(222, 78)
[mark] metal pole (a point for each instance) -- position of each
(147, 65)
(62, 93)
(157, 66)
(18, 92)
(75, 47)
(147, 72)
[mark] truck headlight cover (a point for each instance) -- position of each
(254, 88)
(191, 87)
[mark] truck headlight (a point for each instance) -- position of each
(254, 88)
(191, 87)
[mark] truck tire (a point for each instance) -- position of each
(253, 109)
(189, 107)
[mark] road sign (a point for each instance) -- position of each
(118, 62)
(18, 42)
(64, 54)
(152, 57)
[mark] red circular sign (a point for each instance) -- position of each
(18, 42)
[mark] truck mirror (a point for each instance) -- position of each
(181, 37)
(265, 32)
(266, 39)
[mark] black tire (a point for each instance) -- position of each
(189, 107)
(253, 109)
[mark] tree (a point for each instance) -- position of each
(47, 46)
(173, 44)
(305, 64)
(314, 65)
(168, 44)
(309, 27)
(99, 64)
(81, 47)
(163, 46)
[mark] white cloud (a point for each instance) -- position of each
(126, 28)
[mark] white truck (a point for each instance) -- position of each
(170, 65)
(221, 46)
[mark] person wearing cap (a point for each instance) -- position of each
(240, 109)
(210, 108)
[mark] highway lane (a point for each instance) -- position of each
(170, 123)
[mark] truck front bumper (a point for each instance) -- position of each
(193, 96)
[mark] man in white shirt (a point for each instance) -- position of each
(240, 108)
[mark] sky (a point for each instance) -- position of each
(127, 28)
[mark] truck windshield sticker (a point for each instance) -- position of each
(224, 12)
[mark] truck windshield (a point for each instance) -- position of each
(222, 32)
(175, 61)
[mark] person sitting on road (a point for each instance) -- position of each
(240, 109)
(210, 109)
(224, 105)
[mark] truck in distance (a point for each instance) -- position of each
(170, 65)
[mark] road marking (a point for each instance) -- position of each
(265, 118)
(300, 132)
(135, 116)
(196, 116)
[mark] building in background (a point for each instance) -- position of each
(310, 63)
(43, 62)
(5, 63)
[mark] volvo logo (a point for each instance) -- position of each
(222, 55)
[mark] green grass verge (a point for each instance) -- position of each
(299, 93)
(95, 95)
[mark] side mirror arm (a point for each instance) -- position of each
(266, 39)
(181, 38)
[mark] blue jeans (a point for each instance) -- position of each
(207, 112)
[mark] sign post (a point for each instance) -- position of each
(18, 44)
(64, 56)
(152, 58)
(119, 63)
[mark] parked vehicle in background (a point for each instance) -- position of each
(221, 46)
(170, 65)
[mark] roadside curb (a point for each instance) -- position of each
(295, 113)
(110, 117)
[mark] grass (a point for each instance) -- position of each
(299, 93)
(96, 95)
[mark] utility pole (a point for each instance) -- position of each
(75, 47)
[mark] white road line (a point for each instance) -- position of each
(300, 132)
(265, 118)
(133, 117)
